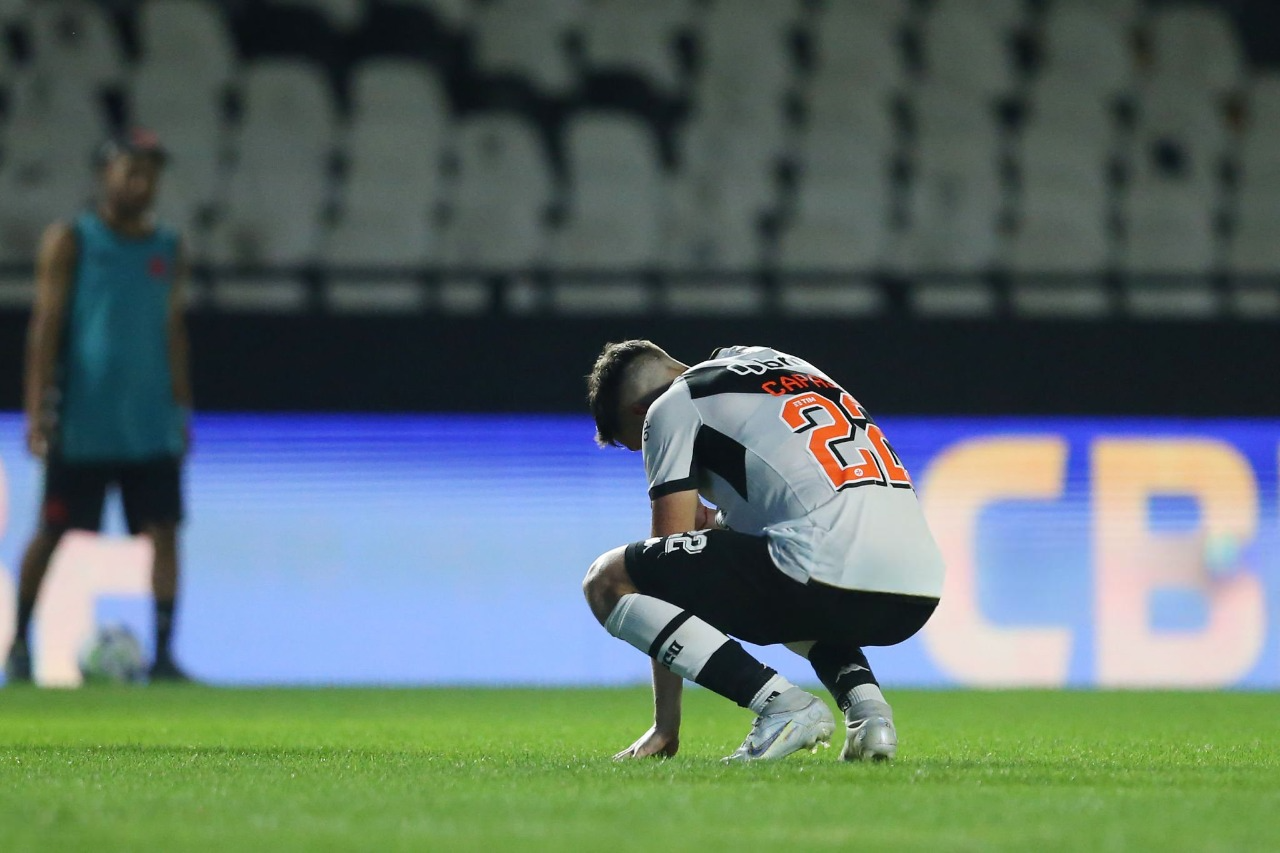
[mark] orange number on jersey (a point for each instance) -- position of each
(894, 471)
(863, 469)
(798, 412)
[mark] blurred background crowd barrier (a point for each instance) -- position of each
(449, 549)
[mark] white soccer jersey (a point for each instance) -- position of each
(786, 453)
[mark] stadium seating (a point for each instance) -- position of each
(187, 40)
(48, 142)
(500, 198)
(190, 121)
(955, 196)
(615, 198)
(841, 212)
(1085, 50)
(622, 36)
(966, 44)
(395, 146)
(859, 45)
(74, 42)
(279, 185)
(527, 39)
(1255, 249)
(946, 141)
(1196, 47)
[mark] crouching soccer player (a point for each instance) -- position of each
(819, 543)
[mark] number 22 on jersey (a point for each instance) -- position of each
(844, 465)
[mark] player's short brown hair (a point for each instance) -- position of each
(604, 385)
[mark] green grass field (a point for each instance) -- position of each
(200, 768)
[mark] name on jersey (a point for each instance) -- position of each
(793, 383)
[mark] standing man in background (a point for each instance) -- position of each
(107, 388)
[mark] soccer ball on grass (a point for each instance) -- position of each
(112, 655)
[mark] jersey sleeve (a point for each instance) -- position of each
(669, 432)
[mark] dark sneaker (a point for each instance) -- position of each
(164, 669)
(17, 667)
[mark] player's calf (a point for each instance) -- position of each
(869, 731)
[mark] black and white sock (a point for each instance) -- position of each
(695, 650)
(845, 672)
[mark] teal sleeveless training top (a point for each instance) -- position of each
(117, 392)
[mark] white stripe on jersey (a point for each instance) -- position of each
(786, 453)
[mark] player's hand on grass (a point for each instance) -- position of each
(652, 743)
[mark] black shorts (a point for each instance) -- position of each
(74, 493)
(729, 580)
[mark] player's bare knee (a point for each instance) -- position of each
(606, 582)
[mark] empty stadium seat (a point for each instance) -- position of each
(187, 38)
(74, 41)
(967, 48)
(1084, 48)
(1169, 231)
(636, 38)
(377, 237)
(396, 93)
(954, 213)
(854, 114)
(745, 63)
(500, 197)
(710, 230)
(1057, 106)
(269, 217)
(841, 210)
(857, 47)
(725, 182)
(527, 38)
(955, 196)
(1057, 255)
(1197, 47)
(46, 174)
(399, 128)
(289, 115)
(1264, 106)
(615, 198)
(1065, 148)
(836, 228)
(1254, 247)
(190, 123)
(395, 145)
(1179, 136)
(954, 128)
(280, 181)
(1059, 235)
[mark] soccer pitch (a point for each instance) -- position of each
(203, 768)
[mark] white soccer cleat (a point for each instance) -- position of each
(778, 735)
(871, 738)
